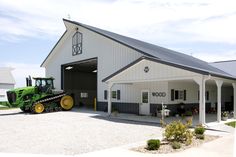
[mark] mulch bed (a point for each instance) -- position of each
(166, 147)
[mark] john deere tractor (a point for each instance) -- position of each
(39, 98)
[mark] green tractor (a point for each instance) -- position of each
(39, 98)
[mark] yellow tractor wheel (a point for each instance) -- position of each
(67, 102)
(38, 108)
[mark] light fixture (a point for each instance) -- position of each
(69, 68)
(95, 71)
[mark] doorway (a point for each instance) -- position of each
(144, 108)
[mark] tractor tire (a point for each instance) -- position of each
(66, 103)
(37, 108)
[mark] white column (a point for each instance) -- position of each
(203, 101)
(219, 84)
(234, 86)
(201, 83)
(200, 103)
(109, 98)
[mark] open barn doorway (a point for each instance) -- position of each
(80, 80)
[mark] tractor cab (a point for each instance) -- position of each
(44, 85)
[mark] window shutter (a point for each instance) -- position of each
(185, 95)
(118, 94)
(105, 94)
(207, 95)
(198, 95)
(172, 94)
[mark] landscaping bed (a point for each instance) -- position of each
(177, 136)
(166, 147)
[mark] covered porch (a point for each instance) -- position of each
(158, 84)
(210, 119)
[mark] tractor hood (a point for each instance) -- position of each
(22, 88)
(16, 96)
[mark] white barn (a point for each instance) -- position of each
(6, 82)
(133, 76)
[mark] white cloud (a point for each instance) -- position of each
(163, 21)
(22, 70)
(153, 18)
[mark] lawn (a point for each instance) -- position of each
(4, 105)
(233, 124)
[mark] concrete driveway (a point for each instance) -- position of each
(68, 133)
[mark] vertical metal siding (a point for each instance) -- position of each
(111, 57)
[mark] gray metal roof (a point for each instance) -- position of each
(160, 53)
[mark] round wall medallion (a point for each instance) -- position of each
(146, 69)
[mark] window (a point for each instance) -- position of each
(105, 94)
(84, 95)
(118, 94)
(113, 94)
(2, 96)
(77, 43)
(144, 97)
(43, 83)
(178, 94)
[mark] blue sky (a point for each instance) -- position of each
(29, 29)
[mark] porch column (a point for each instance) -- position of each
(201, 82)
(219, 84)
(234, 86)
(109, 97)
(203, 104)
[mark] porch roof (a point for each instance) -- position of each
(156, 60)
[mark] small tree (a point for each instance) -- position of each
(179, 132)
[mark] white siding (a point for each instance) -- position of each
(131, 93)
(191, 92)
(3, 89)
(154, 87)
(111, 57)
(157, 72)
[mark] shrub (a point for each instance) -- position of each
(153, 144)
(200, 136)
(199, 130)
(188, 113)
(189, 137)
(177, 131)
(224, 114)
(176, 145)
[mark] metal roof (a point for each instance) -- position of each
(160, 53)
(6, 76)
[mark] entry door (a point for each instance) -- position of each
(144, 108)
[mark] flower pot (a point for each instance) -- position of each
(224, 118)
(189, 118)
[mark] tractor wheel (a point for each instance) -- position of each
(67, 102)
(38, 108)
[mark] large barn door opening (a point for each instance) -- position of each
(80, 80)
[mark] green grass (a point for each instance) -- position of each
(232, 124)
(4, 105)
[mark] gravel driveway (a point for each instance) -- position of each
(69, 133)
